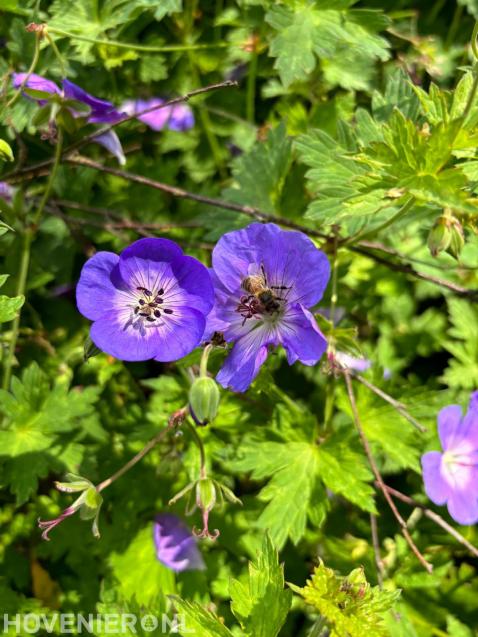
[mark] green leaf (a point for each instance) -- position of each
(259, 175)
(462, 343)
(346, 39)
(198, 621)
(349, 605)
(139, 572)
(259, 601)
(10, 306)
(344, 471)
(293, 468)
(34, 414)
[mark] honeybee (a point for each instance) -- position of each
(262, 298)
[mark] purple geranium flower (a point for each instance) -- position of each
(265, 280)
(178, 117)
(451, 477)
(101, 111)
(151, 301)
(176, 547)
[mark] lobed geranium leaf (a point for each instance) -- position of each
(259, 600)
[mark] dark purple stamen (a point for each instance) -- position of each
(168, 311)
(150, 318)
(157, 313)
(141, 302)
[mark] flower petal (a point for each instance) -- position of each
(290, 261)
(463, 506)
(449, 421)
(36, 82)
(179, 334)
(176, 547)
(157, 119)
(193, 278)
(96, 292)
(181, 119)
(102, 111)
(152, 249)
(117, 333)
(301, 336)
(436, 487)
(234, 252)
(248, 354)
(111, 142)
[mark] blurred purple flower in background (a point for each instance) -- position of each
(353, 362)
(101, 111)
(177, 117)
(6, 191)
(265, 280)
(176, 547)
(151, 301)
(451, 477)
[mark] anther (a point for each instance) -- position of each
(157, 313)
(136, 309)
(141, 302)
(150, 318)
(158, 299)
(161, 291)
(168, 311)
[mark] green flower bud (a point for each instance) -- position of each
(440, 236)
(457, 240)
(204, 400)
(205, 494)
(446, 234)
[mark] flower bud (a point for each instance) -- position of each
(457, 239)
(439, 237)
(446, 234)
(204, 400)
(205, 494)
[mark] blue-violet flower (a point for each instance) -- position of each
(451, 477)
(177, 117)
(176, 547)
(265, 281)
(101, 111)
(151, 301)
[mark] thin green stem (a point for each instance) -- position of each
(57, 53)
(204, 358)
(139, 47)
(51, 179)
(386, 224)
(34, 62)
(472, 95)
(251, 86)
(28, 237)
(200, 446)
(206, 124)
(455, 23)
(20, 290)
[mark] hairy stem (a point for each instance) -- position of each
(435, 518)
(176, 419)
(200, 446)
(373, 465)
(34, 62)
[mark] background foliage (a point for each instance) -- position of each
(356, 120)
